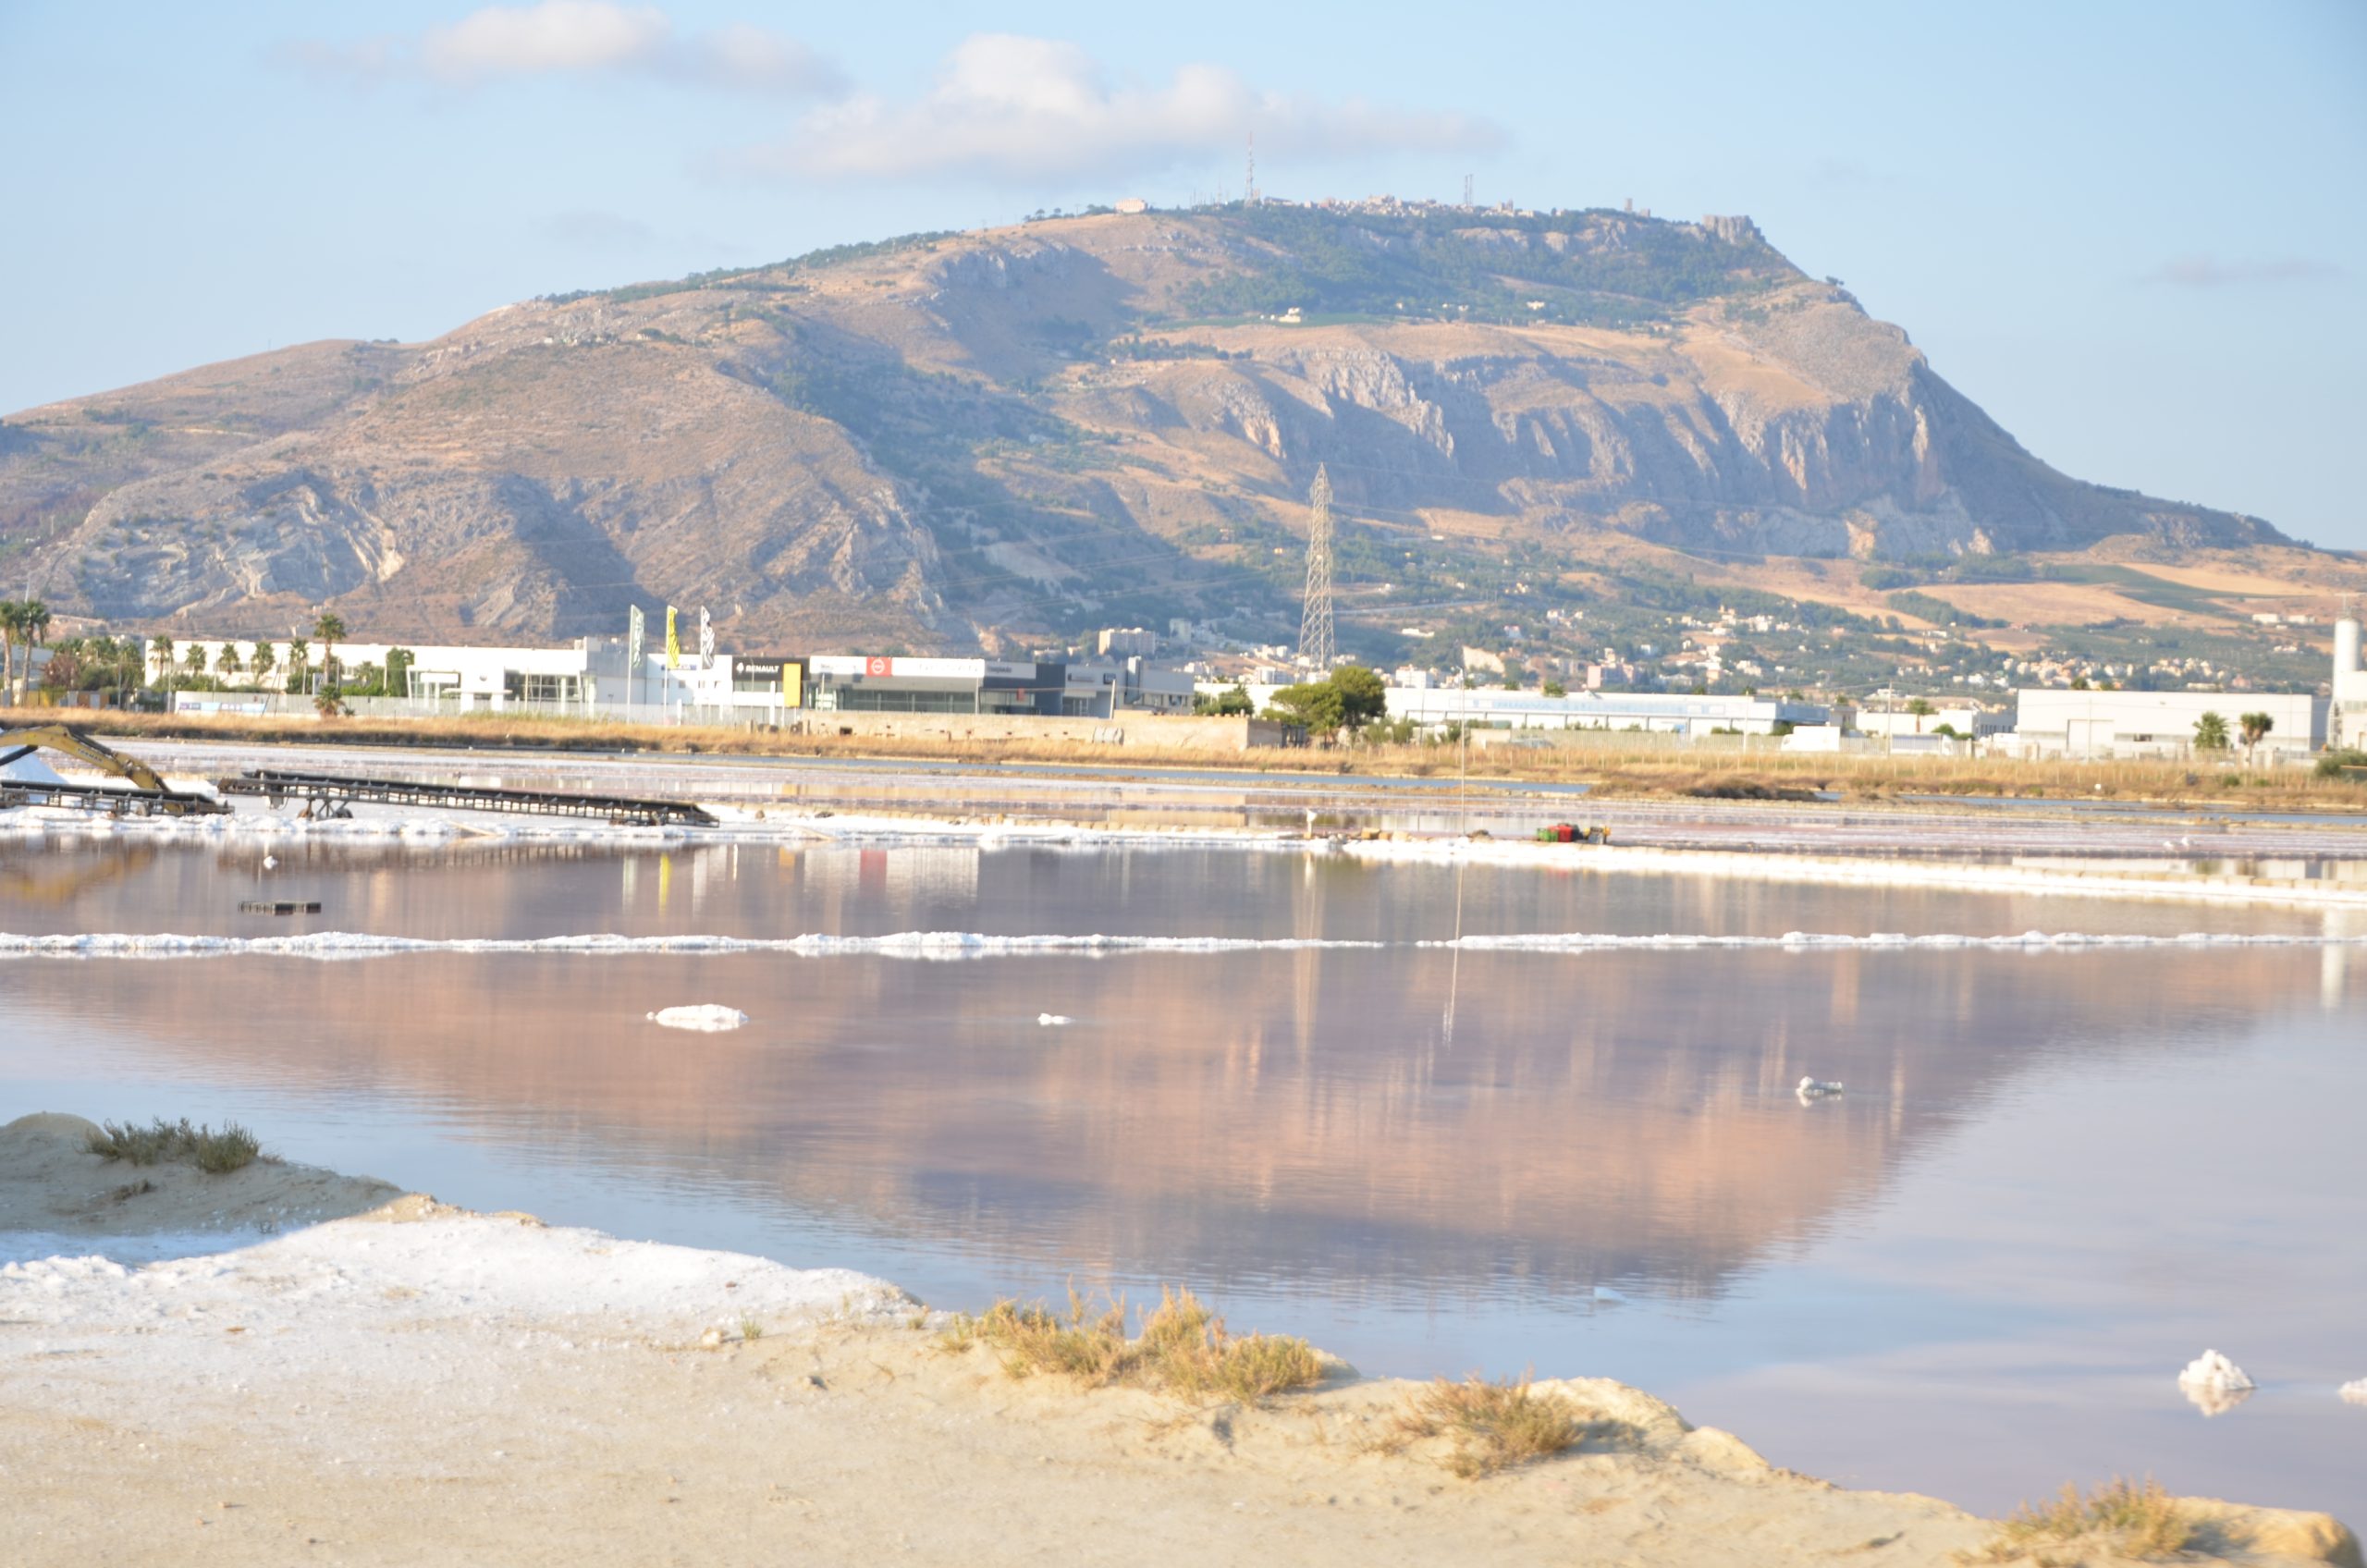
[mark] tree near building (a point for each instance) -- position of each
(160, 652)
(1233, 702)
(2210, 733)
(398, 676)
(1314, 705)
(330, 630)
(262, 662)
(300, 662)
(12, 626)
(2254, 728)
(193, 659)
(1922, 709)
(227, 663)
(1364, 696)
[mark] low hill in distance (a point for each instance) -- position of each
(997, 438)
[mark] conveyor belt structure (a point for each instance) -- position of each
(330, 793)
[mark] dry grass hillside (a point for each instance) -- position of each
(966, 440)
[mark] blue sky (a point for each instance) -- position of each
(2133, 232)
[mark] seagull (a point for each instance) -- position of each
(270, 862)
(1816, 1088)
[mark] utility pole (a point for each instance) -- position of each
(1317, 642)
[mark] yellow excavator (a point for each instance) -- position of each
(149, 794)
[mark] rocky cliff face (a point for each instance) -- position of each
(921, 444)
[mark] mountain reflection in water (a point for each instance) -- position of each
(1424, 1158)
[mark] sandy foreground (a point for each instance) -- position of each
(368, 1377)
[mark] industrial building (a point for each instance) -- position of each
(885, 683)
(2085, 725)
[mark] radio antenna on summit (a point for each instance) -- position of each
(1317, 643)
(1249, 185)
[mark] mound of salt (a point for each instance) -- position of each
(707, 1016)
(2215, 1372)
(1053, 1020)
(2355, 1390)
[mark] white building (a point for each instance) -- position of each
(2082, 725)
(2349, 717)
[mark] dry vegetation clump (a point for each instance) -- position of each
(1495, 1426)
(2128, 1518)
(1183, 1348)
(217, 1154)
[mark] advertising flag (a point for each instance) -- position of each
(707, 640)
(673, 642)
(634, 637)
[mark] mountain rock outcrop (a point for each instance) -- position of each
(937, 441)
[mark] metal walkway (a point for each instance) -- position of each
(328, 794)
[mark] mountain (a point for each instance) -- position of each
(957, 440)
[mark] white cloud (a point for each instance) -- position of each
(556, 36)
(1017, 108)
(2205, 271)
(577, 38)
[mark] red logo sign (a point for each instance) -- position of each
(878, 667)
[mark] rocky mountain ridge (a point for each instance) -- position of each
(964, 440)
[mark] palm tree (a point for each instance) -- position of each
(1922, 710)
(328, 629)
(300, 659)
(2255, 728)
(227, 661)
(160, 649)
(12, 625)
(2210, 733)
(32, 625)
(193, 659)
(262, 662)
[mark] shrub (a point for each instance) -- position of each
(1495, 1426)
(214, 1153)
(2139, 1521)
(1184, 1348)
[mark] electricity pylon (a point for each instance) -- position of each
(1317, 643)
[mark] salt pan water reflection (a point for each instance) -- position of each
(2055, 1176)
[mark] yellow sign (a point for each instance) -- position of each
(673, 642)
(792, 684)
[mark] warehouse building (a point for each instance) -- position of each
(2096, 725)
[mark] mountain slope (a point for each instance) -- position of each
(949, 440)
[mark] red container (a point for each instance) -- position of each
(1565, 833)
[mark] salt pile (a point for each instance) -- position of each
(2356, 1391)
(2214, 1384)
(1053, 1020)
(708, 1017)
(2211, 1370)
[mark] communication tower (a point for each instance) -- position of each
(1317, 643)
(1466, 190)
(1249, 185)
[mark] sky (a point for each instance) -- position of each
(2134, 233)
